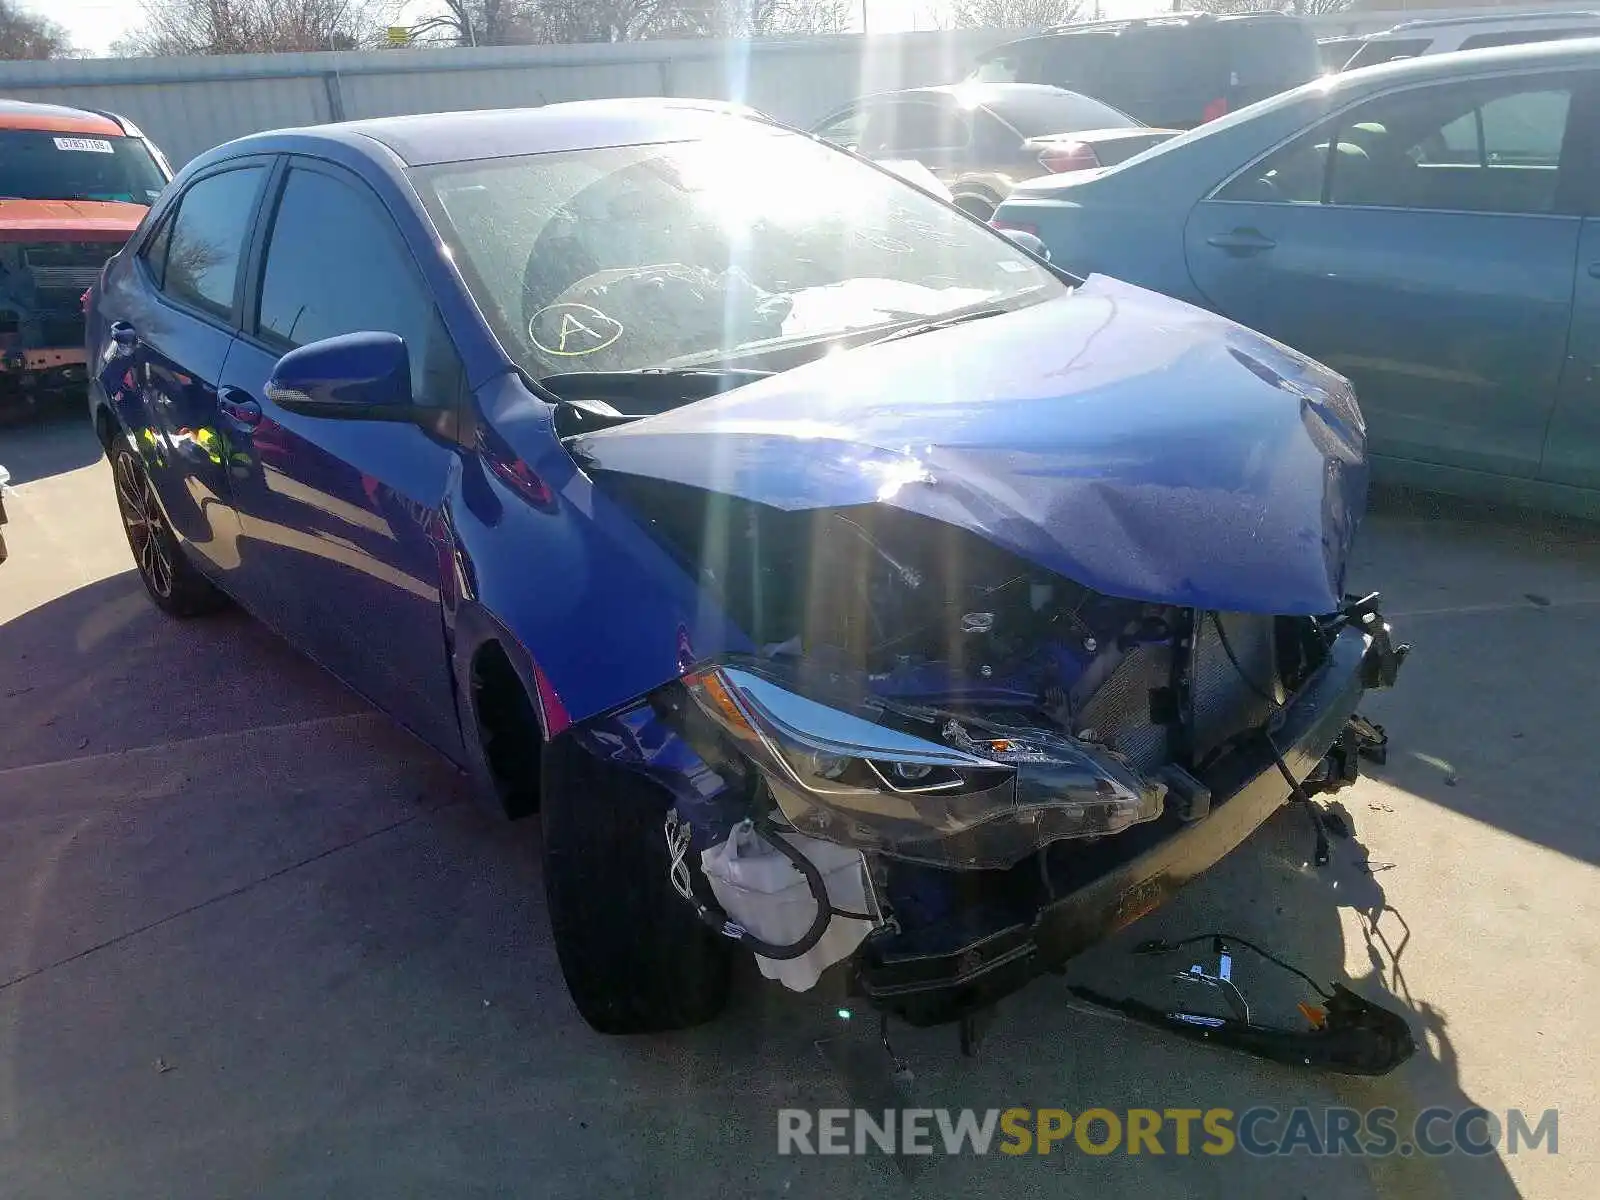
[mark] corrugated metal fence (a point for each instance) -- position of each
(191, 104)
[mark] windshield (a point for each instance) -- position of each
(623, 258)
(1382, 50)
(56, 166)
(1051, 110)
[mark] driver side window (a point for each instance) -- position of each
(904, 126)
(335, 264)
(1484, 146)
(1294, 174)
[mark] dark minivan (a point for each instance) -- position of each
(1176, 71)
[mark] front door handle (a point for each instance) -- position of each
(239, 407)
(1241, 241)
(1594, 270)
(124, 335)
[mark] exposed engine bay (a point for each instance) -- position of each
(990, 738)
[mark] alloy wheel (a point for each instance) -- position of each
(148, 535)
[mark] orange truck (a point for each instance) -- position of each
(74, 184)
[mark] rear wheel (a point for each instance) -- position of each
(635, 956)
(172, 581)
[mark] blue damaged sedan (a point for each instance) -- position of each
(842, 584)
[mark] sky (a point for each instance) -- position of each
(94, 24)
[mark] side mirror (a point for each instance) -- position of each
(354, 377)
(1031, 242)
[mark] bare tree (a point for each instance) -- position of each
(503, 22)
(599, 20)
(24, 35)
(777, 18)
(268, 26)
(1300, 8)
(475, 23)
(1013, 14)
(255, 26)
(518, 22)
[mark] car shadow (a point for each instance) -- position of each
(1332, 922)
(705, 1101)
(102, 670)
(49, 442)
(1494, 600)
(398, 1010)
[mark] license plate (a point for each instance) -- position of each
(1141, 898)
(90, 145)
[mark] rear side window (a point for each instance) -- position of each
(1000, 68)
(915, 125)
(1137, 70)
(1382, 50)
(1520, 37)
(1275, 54)
(1059, 112)
(206, 243)
(154, 253)
(336, 264)
(1525, 129)
(1075, 61)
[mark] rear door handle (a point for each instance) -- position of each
(1241, 241)
(1594, 270)
(239, 407)
(124, 335)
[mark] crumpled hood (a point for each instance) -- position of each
(1133, 443)
(68, 220)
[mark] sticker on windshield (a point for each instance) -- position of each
(91, 145)
(886, 242)
(571, 330)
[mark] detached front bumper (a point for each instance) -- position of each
(27, 374)
(42, 358)
(1134, 872)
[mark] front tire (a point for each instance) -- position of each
(170, 578)
(636, 957)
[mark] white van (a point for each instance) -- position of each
(1440, 35)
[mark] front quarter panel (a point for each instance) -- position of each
(601, 612)
(1093, 230)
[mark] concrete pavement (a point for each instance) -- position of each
(253, 941)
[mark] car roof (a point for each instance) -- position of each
(981, 94)
(1574, 52)
(57, 118)
(1328, 91)
(431, 138)
(1180, 19)
(1517, 19)
(1176, 20)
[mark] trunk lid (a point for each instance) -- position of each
(1110, 146)
(1132, 443)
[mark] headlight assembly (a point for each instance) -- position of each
(984, 796)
